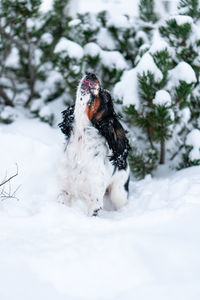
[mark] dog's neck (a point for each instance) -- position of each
(80, 116)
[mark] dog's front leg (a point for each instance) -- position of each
(65, 198)
(95, 204)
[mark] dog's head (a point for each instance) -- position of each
(90, 85)
(88, 95)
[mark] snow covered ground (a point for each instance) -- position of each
(148, 250)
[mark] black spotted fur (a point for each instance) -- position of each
(67, 124)
(108, 126)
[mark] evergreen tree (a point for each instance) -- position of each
(147, 11)
(19, 20)
(124, 36)
(160, 120)
(190, 8)
(29, 37)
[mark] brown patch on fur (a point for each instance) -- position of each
(92, 108)
(99, 115)
(120, 133)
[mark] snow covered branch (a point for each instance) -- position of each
(12, 39)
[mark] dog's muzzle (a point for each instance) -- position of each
(90, 84)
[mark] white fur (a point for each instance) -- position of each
(86, 171)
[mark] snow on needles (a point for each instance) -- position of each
(147, 64)
(118, 21)
(158, 44)
(109, 59)
(181, 20)
(182, 72)
(193, 139)
(92, 49)
(113, 59)
(127, 88)
(162, 97)
(73, 49)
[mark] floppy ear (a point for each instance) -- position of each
(67, 123)
(116, 138)
(106, 121)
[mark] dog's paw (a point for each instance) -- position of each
(96, 212)
(65, 198)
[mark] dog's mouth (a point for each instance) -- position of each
(90, 84)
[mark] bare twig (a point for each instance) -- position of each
(10, 178)
(8, 195)
(5, 188)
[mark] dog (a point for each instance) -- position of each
(95, 157)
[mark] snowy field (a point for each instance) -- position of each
(148, 250)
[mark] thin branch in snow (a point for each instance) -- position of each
(10, 178)
(8, 194)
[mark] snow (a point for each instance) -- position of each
(92, 49)
(49, 86)
(126, 89)
(162, 97)
(126, 7)
(116, 6)
(36, 105)
(47, 38)
(118, 21)
(141, 35)
(13, 58)
(147, 64)
(158, 44)
(7, 114)
(74, 22)
(73, 49)
(182, 71)
(185, 115)
(46, 6)
(113, 59)
(181, 20)
(149, 249)
(193, 139)
(45, 112)
(105, 39)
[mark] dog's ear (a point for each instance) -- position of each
(117, 141)
(68, 119)
(106, 121)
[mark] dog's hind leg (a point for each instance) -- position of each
(118, 190)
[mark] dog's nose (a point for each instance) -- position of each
(91, 76)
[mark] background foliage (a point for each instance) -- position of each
(151, 67)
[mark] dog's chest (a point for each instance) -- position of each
(86, 150)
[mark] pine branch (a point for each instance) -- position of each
(12, 39)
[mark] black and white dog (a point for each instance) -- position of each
(95, 159)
